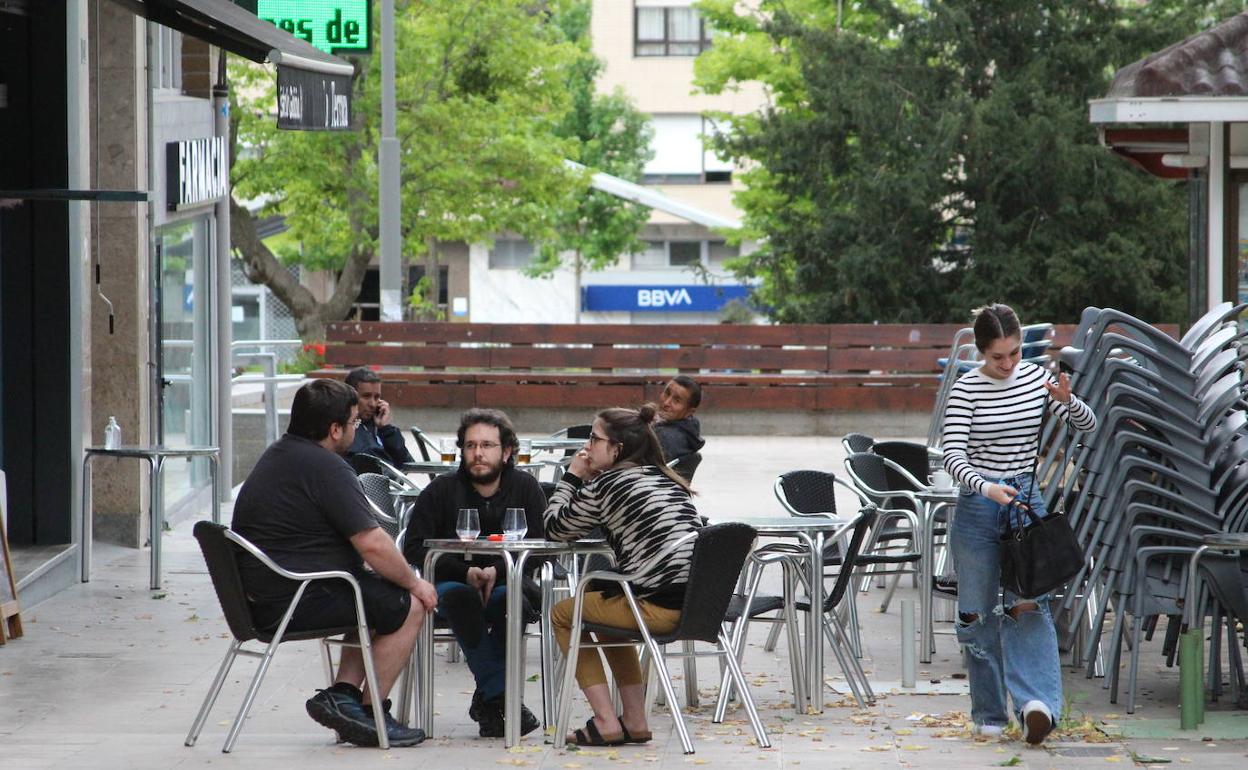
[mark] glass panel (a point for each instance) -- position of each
(511, 254)
(186, 342)
(683, 25)
(655, 255)
(649, 24)
(685, 253)
(718, 251)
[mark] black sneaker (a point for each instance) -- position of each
(399, 734)
(354, 722)
(492, 723)
(326, 706)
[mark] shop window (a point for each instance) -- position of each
(669, 31)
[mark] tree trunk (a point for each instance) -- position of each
(579, 267)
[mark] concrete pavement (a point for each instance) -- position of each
(111, 674)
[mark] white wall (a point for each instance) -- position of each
(511, 296)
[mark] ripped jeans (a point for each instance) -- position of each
(1003, 653)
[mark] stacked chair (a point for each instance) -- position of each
(1165, 466)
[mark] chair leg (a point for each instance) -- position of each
(691, 675)
(250, 697)
(854, 674)
(370, 677)
(1137, 626)
(213, 691)
(772, 637)
(665, 680)
(892, 588)
(734, 668)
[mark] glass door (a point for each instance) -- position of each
(184, 334)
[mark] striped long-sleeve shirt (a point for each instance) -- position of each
(992, 426)
(642, 512)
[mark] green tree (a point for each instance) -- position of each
(923, 159)
(608, 135)
(481, 87)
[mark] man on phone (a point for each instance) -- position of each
(376, 436)
(472, 594)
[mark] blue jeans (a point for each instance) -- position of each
(483, 637)
(1003, 653)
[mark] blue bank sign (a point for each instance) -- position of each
(689, 299)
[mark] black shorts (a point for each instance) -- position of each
(331, 604)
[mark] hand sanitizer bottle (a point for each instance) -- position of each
(112, 434)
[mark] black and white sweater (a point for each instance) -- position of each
(992, 426)
(641, 512)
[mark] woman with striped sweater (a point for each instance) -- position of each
(620, 483)
(990, 442)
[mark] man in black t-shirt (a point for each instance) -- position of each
(303, 506)
(473, 594)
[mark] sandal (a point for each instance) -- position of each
(635, 738)
(589, 736)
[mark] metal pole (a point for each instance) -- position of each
(907, 643)
(225, 288)
(388, 203)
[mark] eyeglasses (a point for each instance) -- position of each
(594, 438)
(356, 424)
(484, 446)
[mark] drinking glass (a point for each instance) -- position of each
(515, 524)
(448, 450)
(526, 451)
(468, 524)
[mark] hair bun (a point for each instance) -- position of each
(647, 412)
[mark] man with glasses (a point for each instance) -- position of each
(472, 593)
(303, 506)
(375, 435)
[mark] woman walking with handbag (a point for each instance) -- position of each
(990, 441)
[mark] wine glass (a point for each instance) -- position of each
(468, 524)
(515, 524)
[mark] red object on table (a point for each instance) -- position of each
(495, 538)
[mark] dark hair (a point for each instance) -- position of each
(630, 429)
(695, 390)
(506, 431)
(992, 322)
(361, 374)
(318, 405)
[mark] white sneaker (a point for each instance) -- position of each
(1037, 722)
(988, 731)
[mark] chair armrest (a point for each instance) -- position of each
(905, 474)
(246, 545)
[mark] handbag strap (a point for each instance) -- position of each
(1035, 461)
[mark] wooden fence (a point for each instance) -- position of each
(835, 367)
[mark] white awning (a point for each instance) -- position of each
(1170, 109)
(622, 188)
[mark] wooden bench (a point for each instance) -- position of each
(808, 367)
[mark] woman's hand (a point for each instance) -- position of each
(1001, 494)
(580, 466)
(1060, 391)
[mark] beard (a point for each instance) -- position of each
(487, 476)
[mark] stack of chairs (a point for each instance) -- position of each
(1167, 464)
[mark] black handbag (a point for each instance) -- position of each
(1039, 555)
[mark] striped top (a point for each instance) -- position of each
(641, 512)
(992, 426)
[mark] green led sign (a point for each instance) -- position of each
(334, 26)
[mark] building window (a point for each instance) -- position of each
(669, 31)
(680, 156)
(660, 254)
(511, 254)
(168, 59)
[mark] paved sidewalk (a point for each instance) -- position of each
(111, 674)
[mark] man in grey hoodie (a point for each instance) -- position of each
(679, 432)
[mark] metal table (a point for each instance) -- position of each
(557, 444)
(810, 531)
(155, 457)
(515, 554)
(932, 501)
